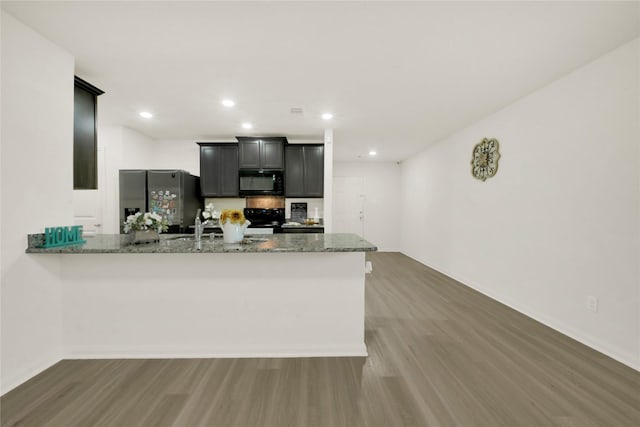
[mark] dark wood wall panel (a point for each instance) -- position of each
(85, 140)
(85, 171)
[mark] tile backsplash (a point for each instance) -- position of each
(265, 202)
(220, 203)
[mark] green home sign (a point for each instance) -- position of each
(63, 236)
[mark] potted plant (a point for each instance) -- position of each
(145, 228)
(210, 215)
(233, 224)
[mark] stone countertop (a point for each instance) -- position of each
(185, 243)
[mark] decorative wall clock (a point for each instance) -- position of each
(484, 162)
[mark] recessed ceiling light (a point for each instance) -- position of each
(372, 153)
(327, 116)
(228, 103)
(146, 114)
(247, 125)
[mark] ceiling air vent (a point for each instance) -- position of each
(296, 110)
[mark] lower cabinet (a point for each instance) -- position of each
(301, 229)
(219, 170)
(304, 170)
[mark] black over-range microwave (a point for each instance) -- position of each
(261, 183)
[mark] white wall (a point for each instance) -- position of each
(560, 220)
(327, 203)
(382, 187)
(176, 154)
(138, 150)
(37, 186)
(110, 140)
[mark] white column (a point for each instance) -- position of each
(328, 180)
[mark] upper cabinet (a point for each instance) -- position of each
(85, 144)
(304, 171)
(303, 165)
(261, 153)
(219, 169)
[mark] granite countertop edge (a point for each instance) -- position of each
(277, 243)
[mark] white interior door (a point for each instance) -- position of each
(87, 204)
(348, 205)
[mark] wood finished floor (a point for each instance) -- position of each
(440, 354)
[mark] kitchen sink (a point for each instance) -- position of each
(181, 238)
(254, 240)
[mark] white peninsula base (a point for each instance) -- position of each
(213, 305)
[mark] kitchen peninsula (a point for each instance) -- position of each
(287, 295)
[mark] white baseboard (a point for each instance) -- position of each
(388, 250)
(16, 379)
(86, 352)
(590, 341)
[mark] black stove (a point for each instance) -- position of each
(265, 218)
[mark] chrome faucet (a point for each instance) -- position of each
(199, 227)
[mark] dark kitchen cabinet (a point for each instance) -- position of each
(249, 154)
(298, 229)
(304, 170)
(85, 143)
(261, 153)
(219, 170)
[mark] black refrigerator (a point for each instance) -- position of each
(171, 193)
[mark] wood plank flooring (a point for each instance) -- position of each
(441, 354)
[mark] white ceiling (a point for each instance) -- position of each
(396, 75)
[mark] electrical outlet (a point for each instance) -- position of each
(592, 303)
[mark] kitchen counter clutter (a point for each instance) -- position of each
(185, 243)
